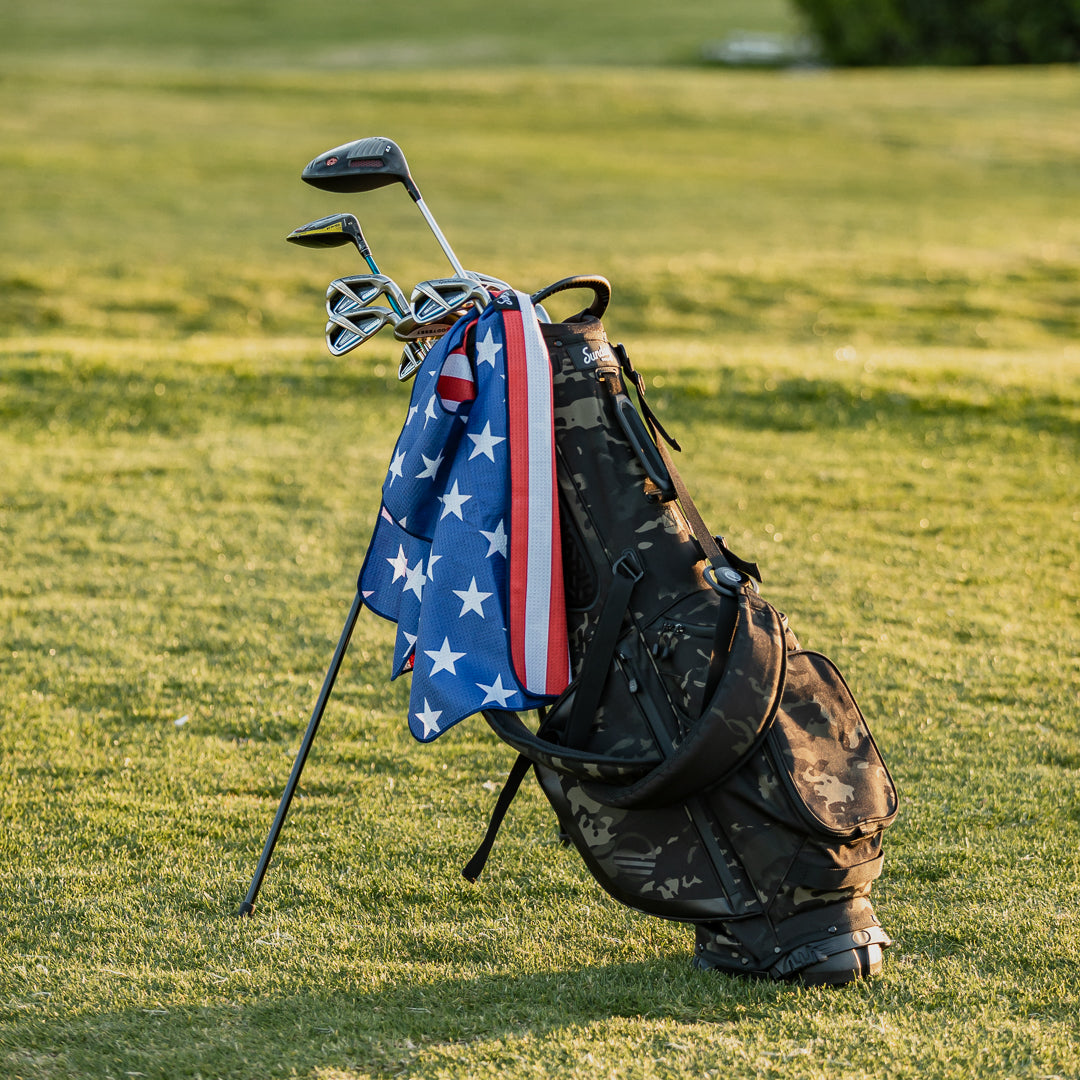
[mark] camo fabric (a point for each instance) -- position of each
(828, 757)
(728, 778)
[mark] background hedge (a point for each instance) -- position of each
(955, 32)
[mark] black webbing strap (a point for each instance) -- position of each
(716, 553)
(626, 573)
(476, 864)
(727, 571)
(638, 383)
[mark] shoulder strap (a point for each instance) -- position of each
(744, 705)
(720, 558)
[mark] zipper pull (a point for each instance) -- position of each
(665, 643)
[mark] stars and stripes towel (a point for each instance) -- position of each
(465, 556)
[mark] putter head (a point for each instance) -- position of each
(335, 230)
(361, 165)
(348, 294)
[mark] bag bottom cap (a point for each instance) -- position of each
(833, 961)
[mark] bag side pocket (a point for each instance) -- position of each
(826, 755)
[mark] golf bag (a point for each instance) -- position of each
(706, 768)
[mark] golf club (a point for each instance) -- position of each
(349, 293)
(366, 164)
(344, 331)
(334, 230)
(434, 300)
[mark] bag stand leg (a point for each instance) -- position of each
(248, 905)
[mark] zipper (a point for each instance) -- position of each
(671, 633)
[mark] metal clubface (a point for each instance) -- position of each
(345, 331)
(347, 294)
(435, 300)
(412, 356)
(367, 164)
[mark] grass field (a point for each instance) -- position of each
(855, 297)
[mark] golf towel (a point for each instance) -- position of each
(465, 556)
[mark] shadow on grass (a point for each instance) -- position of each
(384, 1030)
(798, 403)
(86, 397)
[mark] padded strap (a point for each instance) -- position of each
(596, 666)
(564, 759)
(741, 711)
(745, 703)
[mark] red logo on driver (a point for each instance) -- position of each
(331, 161)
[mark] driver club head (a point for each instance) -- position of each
(361, 165)
(367, 164)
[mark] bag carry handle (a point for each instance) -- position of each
(600, 286)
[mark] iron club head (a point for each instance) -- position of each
(346, 330)
(348, 294)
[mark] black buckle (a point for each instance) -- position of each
(629, 564)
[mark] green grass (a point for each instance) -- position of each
(329, 36)
(854, 298)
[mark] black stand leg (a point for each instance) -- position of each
(248, 905)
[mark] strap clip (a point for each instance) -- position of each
(629, 565)
(728, 581)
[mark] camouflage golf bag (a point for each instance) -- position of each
(706, 768)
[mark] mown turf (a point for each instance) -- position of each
(853, 299)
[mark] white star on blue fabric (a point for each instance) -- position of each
(431, 469)
(395, 466)
(485, 443)
(452, 502)
(400, 564)
(444, 658)
(429, 717)
(472, 599)
(414, 579)
(495, 694)
(488, 350)
(496, 541)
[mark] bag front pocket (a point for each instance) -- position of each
(826, 755)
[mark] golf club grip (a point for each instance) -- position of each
(600, 286)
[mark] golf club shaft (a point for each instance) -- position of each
(448, 251)
(370, 260)
(248, 905)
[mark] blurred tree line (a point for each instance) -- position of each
(898, 32)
